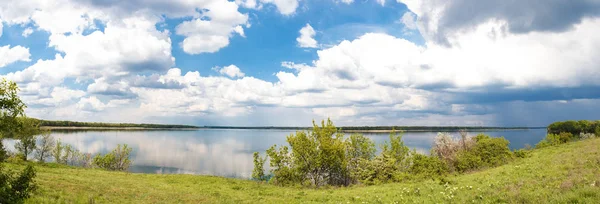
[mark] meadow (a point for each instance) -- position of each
(567, 173)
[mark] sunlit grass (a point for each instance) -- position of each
(569, 173)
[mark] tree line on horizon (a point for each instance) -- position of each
(64, 123)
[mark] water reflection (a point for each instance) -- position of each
(223, 152)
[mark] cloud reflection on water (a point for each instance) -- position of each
(222, 152)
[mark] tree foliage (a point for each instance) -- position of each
(116, 160)
(574, 127)
(259, 167)
(14, 188)
(44, 147)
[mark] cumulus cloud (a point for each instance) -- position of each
(441, 19)
(231, 71)
(408, 20)
(472, 66)
(307, 37)
(27, 32)
(9, 55)
(208, 36)
(285, 7)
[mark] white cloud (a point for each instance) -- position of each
(382, 2)
(251, 4)
(208, 36)
(285, 7)
(128, 67)
(27, 32)
(231, 71)
(409, 21)
(292, 65)
(347, 1)
(1, 27)
(57, 97)
(307, 37)
(10, 55)
(92, 104)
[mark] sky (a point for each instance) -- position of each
(288, 62)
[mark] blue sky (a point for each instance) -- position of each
(218, 62)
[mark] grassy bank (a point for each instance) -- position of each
(565, 174)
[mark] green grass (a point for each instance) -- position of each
(565, 174)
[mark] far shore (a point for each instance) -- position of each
(270, 128)
(110, 128)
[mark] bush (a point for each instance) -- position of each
(391, 165)
(359, 149)
(574, 127)
(57, 152)
(116, 160)
(427, 166)
(281, 166)
(16, 189)
(521, 153)
(382, 169)
(3, 153)
(44, 147)
(557, 139)
(447, 148)
(487, 152)
(323, 157)
(259, 171)
(550, 140)
(585, 136)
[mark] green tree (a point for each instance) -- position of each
(319, 156)
(44, 147)
(259, 171)
(27, 136)
(57, 152)
(13, 188)
(116, 160)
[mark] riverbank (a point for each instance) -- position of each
(562, 174)
(437, 129)
(55, 128)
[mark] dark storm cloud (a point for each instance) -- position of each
(495, 95)
(522, 16)
(542, 113)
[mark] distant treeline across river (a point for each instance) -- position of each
(74, 125)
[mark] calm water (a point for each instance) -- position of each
(225, 152)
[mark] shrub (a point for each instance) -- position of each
(318, 156)
(446, 148)
(259, 171)
(427, 166)
(565, 137)
(392, 165)
(550, 140)
(44, 147)
(281, 166)
(358, 150)
(487, 152)
(573, 127)
(521, 153)
(585, 136)
(116, 160)
(57, 152)
(3, 153)
(16, 189)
